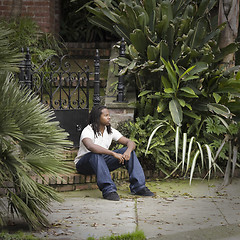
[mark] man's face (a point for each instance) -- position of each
(105, 117)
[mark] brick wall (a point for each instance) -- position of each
(45, 12)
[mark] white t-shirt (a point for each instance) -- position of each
(104, 140)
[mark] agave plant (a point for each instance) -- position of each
(183, 31)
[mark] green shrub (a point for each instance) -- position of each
(161, 152)
(17, 236)
(25, 33)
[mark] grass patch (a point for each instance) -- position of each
(17, 236)
(137, 235)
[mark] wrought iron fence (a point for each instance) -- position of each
(60, 82)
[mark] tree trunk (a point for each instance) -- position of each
(228, 13)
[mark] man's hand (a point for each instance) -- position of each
(127, 155)
(122, 157)
(119, 156)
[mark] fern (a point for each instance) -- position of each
(214, 126)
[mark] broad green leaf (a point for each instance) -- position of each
(133, 52)
(171, 74)
(176, 68)
(187, 71)
(111, 15)
(121, 61)
(149, 5)
(101, 4)
(122, 32)
(217, 97)
(177, 52)
(231, 48)
(203, 8)
(167, 11)
(185, 94)
(192, 115)
(138, 9)
(199, 67)
(143, 20)
(123, 71)
(188, 90)
(168, 90)
(176, 112)
(189, 78)
(199, 33)
(219, 109)
(161, 106)
(101, 23)
(164, 50)
(152, 53)
(132, 65)
(189, 106)
(131, 16)
(161, 26)
(144, 93)
(138, 40)
(182, 102)
(170, 34)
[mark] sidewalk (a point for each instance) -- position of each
(178, 211)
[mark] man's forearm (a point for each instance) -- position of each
(100, 150)
(131, 145)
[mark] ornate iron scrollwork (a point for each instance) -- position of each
(60, 82)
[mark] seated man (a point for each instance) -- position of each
(94, 156)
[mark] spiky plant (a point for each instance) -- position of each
(30, 143)
(9, 57)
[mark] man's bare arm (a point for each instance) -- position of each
(92, 147)
(130, 147)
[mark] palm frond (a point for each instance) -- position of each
(30, 143)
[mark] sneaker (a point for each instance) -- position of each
(112, 196)
(144, 192)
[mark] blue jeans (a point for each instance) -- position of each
(102, 165)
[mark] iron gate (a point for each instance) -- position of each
(63, 85)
